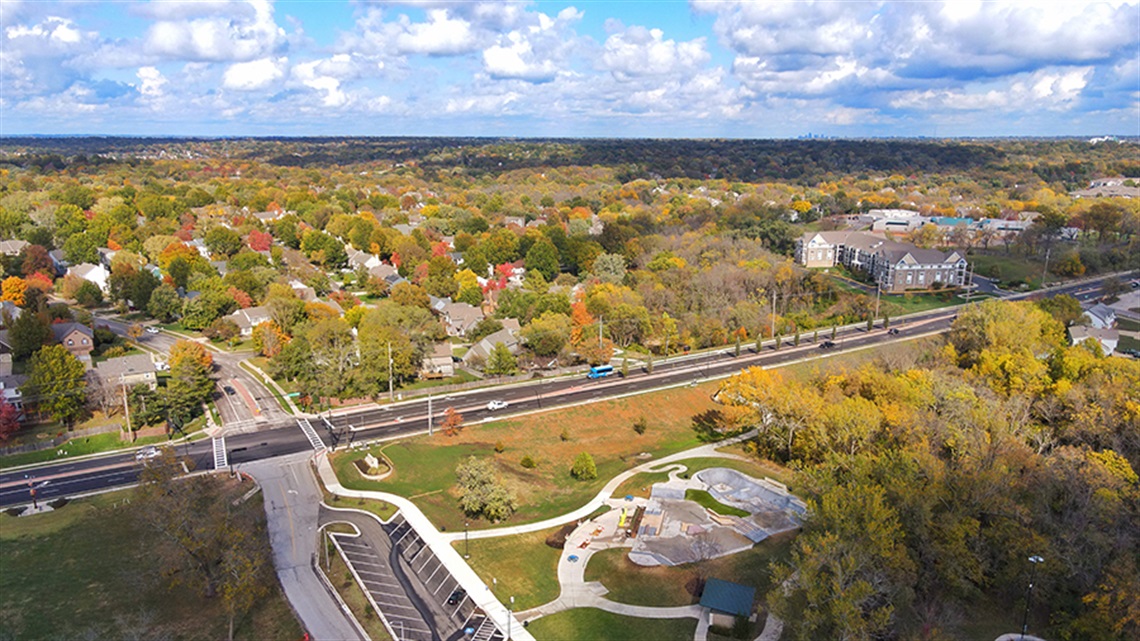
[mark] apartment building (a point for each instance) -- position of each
(896, 267)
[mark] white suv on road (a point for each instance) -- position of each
(497, 405)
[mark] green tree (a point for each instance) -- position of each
(501, 362)
(28, 333)
(481, 492)
(56, 384)
(223, 241)
(584, 468)
(89, 295)
(164, 304)
(543, 258)
(411, 295)
(547, 334)
(440, 281)
(609, 268)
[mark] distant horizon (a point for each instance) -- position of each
(701, 69)
(803, 138)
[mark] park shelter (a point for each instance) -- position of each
(726, 601)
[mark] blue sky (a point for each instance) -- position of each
(702, 68)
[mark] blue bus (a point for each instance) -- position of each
(600, 371)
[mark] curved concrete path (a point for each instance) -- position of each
(601, 498)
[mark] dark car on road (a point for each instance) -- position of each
(228, 390)
(827, 344)
(892, 331)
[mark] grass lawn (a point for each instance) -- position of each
(1127, 342)
(461, 376)
(382, 509)
(88, 445)
(341, 579)
(523, 566)
(640, 484)
(591, 623)
(706, 500)
(424, 467)
(1127, 324)
(1007, 268)
(87, 570)
(670, 586)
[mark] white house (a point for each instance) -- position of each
(247, 319)
(1108, 338)
(97, 274)
(1101, 316)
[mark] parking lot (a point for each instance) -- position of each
(415, 592)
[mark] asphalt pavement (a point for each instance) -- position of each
(292, 504)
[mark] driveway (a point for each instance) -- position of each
(292, 500)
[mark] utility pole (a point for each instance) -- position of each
(1045, 272)
(429, 414)
(126, 407)
(878, 294)
(391, 395)
(1029, 593)
(772, 330)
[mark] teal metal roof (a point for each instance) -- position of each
(728, 597)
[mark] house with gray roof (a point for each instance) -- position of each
(480, 351)
(137, 369)
(1101, 316)
(1108, 338)
(12, 247)
(458, 318)
(247, 319)
(77, 338)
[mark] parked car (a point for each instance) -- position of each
(152, 330)
(497, 405)
(161, 366)
(456, 596)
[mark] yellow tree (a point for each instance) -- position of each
(12, 289)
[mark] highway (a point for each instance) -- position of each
(278, 433)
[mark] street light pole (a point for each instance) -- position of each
(466, 543)
(1029, 593)
(510, 615)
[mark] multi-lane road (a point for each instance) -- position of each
(68, 478)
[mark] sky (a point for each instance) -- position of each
(667, 69)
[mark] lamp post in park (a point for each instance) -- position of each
(1029, 593)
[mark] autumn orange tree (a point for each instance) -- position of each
(12, 289)
(452, 422)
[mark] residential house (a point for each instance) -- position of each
(9, 312)
(77, 338)
(199, 245)
(106, 256)
(1118, 187)
(222, 267)
(303, 291)
(508, 336)
(97, 274)
(1101, 316)
(128, 371)
(458, 318)
(384, 271)
(247, 319)
(58, 260)
(895, 266)
(358, 259)
(5, 355)
(12, 247)
(1108, 338)
(438, 363)
(10, 385)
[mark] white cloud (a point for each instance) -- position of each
(536, 52)
(493, 104)
(257, 74)
(249, 33)
(53, 30)
(440, 35)
(1056, 89)
(644, 52)
(151, 82)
